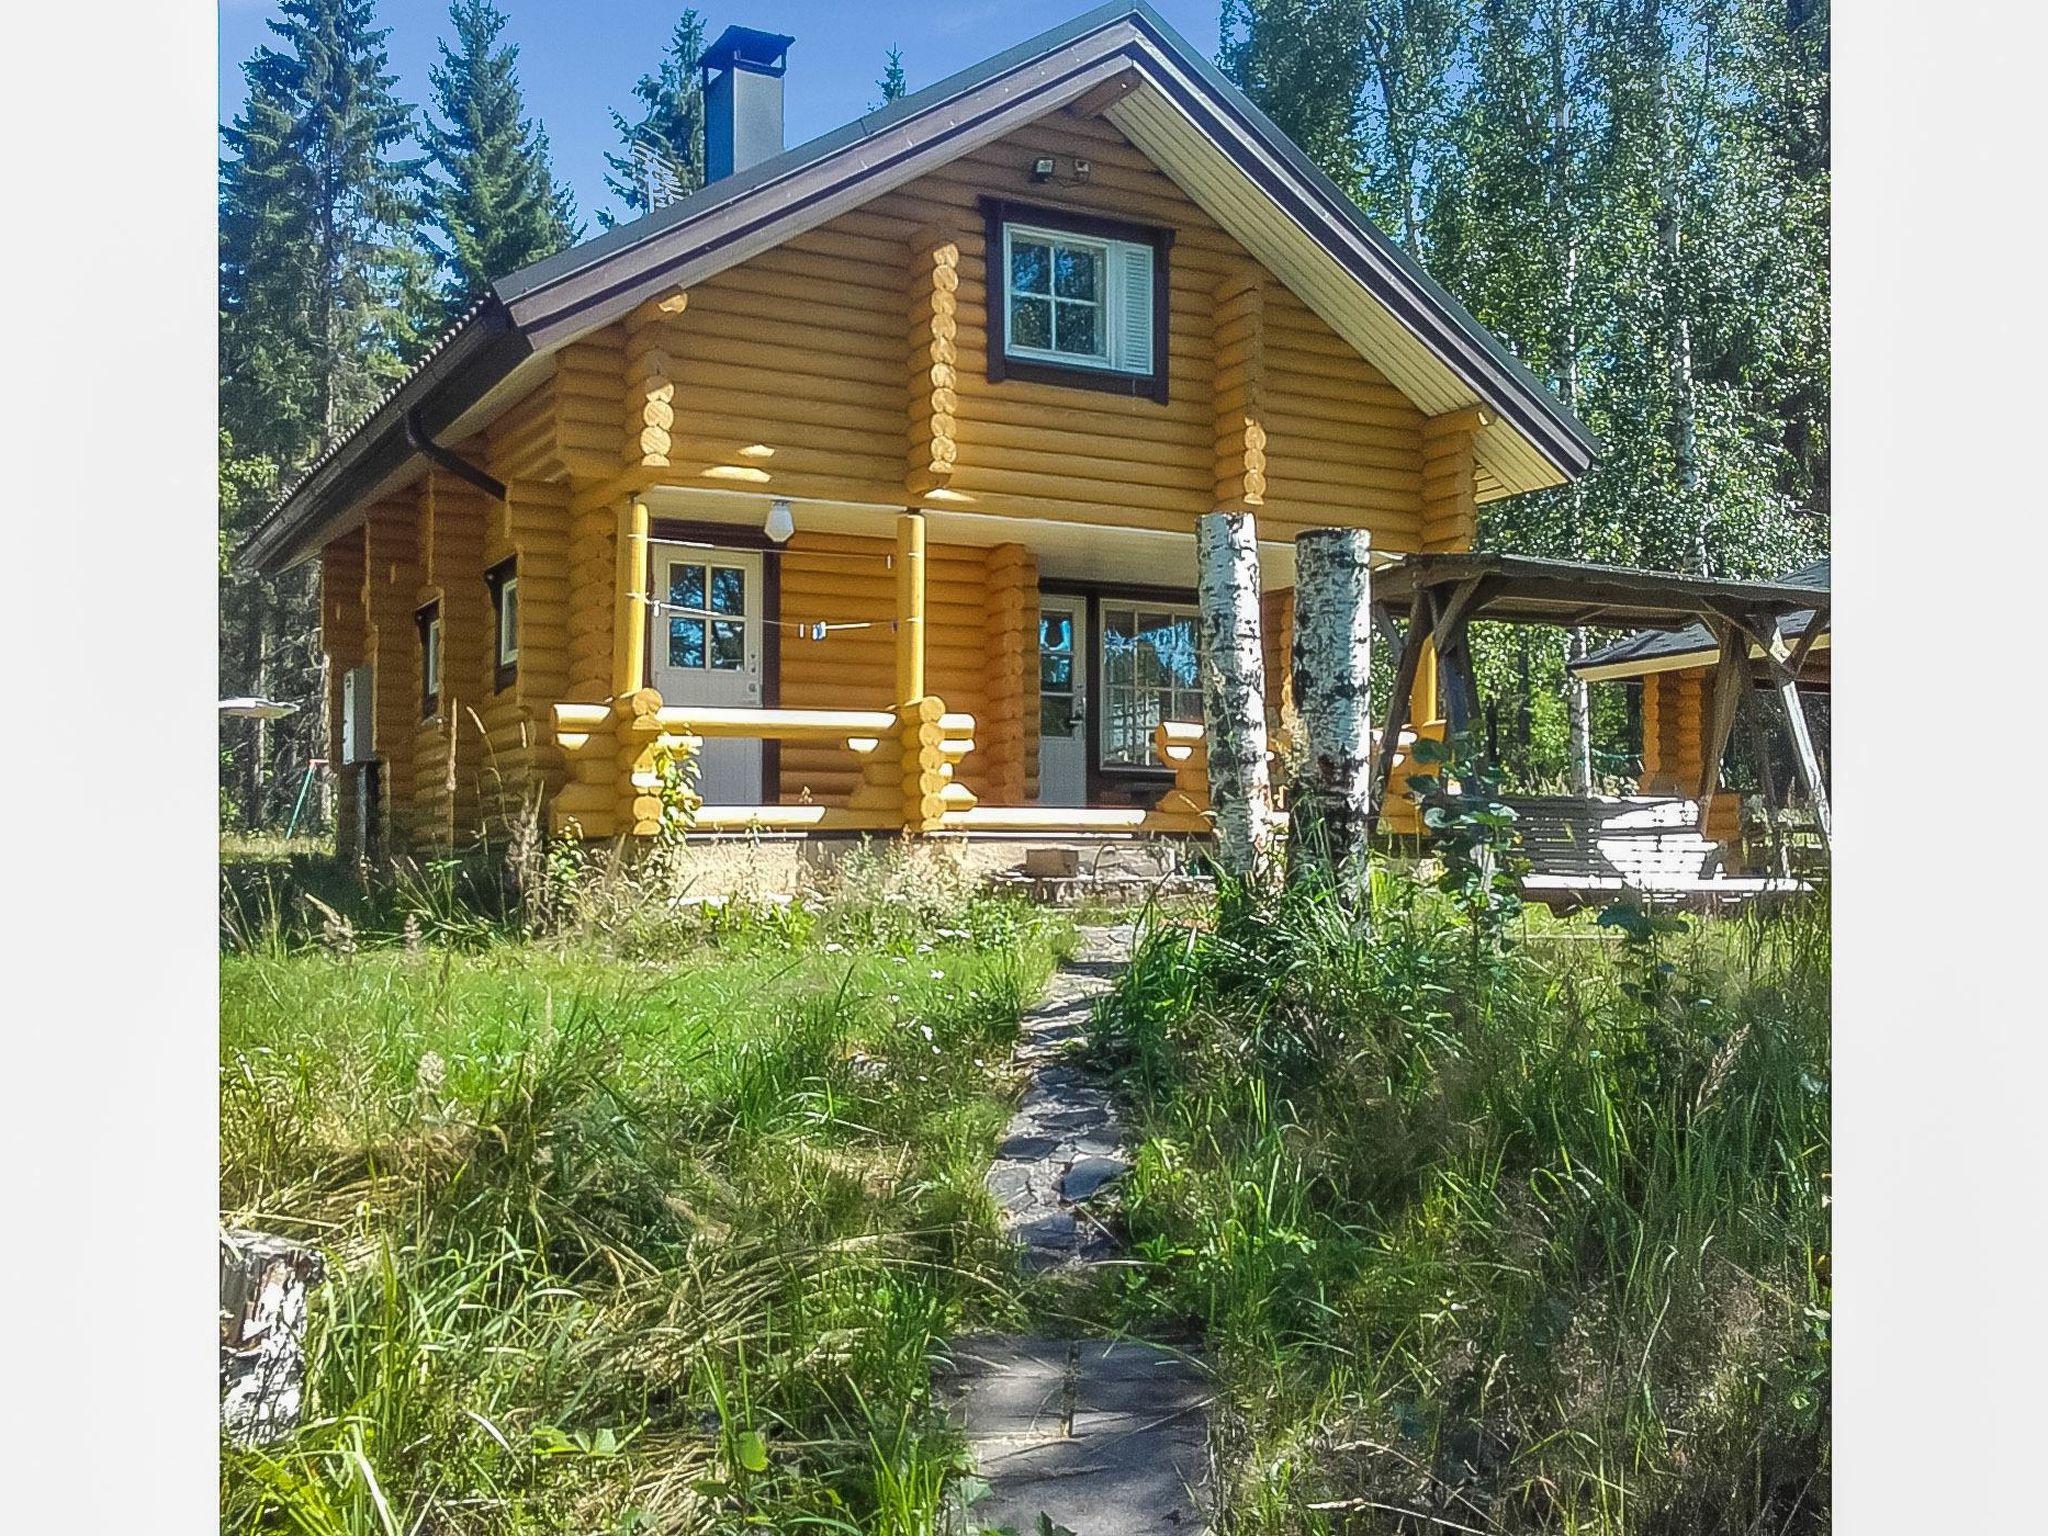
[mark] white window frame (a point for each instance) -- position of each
(1106, 691)
(1109, 304)
(508, 620)
(430, 666)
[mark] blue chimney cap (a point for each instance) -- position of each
(744, 48)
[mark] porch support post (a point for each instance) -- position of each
(910, 677)
(1420, 616)
(1422, 697)
(1233, 667)
(629, 640)
(1332, 657)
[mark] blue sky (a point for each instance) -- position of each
(577, 59)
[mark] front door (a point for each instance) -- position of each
(1063, 672)
(706, 649)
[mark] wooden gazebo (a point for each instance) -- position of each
(1440, 596)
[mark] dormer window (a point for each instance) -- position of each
(1078, 300)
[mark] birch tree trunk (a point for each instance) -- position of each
(1332, 657)
(1233, 670)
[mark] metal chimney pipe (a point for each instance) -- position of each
(742, 76)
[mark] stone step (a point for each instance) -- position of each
(1103, 1437)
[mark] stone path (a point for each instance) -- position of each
(1101, 1437)
(1063, 1148)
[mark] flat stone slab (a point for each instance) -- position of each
(1106, 1438)
(1090, 1175)
(1061, 1148)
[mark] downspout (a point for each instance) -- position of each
(416, 437)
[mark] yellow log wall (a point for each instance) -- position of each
(344, 636)
(1450, 508)
(1276, 633)
(449, 748)
(1675, 708)
(392, 575)
(786, 373)
(1006, 732)
(980, 605)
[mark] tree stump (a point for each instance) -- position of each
(264, 1285)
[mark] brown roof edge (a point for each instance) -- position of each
(469, 360)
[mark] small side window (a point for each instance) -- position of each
(503, 580)
(429, 621)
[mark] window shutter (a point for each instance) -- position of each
(1133, 279)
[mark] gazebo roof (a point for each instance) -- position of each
(1523, 589)
(1655, 650)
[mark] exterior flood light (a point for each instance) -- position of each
(781, 522)
(1042, 168)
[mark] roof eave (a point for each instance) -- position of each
(471, 360)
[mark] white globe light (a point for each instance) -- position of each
(781, 523)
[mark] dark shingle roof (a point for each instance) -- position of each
(1652, 645)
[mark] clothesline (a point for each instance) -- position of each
(810, 629)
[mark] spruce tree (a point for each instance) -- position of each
(661, 157)
(324, 289)
(894, 84)
(493, 200)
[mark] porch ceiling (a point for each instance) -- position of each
(1066, 551)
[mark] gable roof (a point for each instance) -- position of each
(1204, 132)
(1661, 650)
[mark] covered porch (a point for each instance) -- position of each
(839, 668)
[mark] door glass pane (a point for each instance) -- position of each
(728, 589)
(1056, 715)
(1055, 632)
(1056, 673)
(728, 645)
(686, 642)
(686, 585)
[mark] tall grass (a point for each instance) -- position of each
(1532, 1242)
(623, 1244)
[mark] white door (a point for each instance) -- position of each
(1062, 701)
(706, 649)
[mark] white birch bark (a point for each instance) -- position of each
(1233, 668)
(1332, 656)
(264, 1284)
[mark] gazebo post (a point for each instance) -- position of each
(1785, 675)
(1732, 678)
(1419, 612)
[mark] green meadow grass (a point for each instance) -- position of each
(622, 1244)
(1532, 1243)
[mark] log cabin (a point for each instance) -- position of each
(870, 470)
(1675, 670)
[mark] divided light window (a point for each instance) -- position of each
(1079, 300)
(1149, 674)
